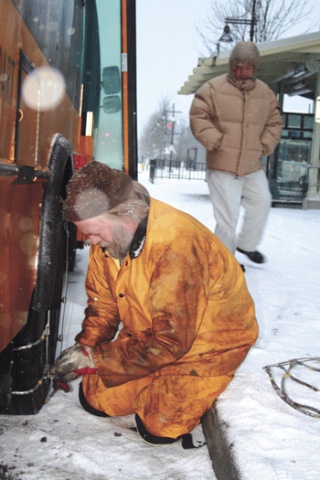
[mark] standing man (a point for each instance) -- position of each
(236, 117)
(169, 316)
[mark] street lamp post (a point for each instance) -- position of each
(253, 20)
(226, 36)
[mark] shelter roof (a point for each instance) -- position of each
(289, 66)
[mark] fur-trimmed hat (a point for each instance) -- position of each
(94, 190)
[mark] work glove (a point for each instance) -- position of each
(72, 363)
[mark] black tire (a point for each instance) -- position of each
(24, 381)
(31, 354)
(72, 246)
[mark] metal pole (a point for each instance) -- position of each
(172, 132)
(252, 20)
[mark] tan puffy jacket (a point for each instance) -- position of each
(236, 126)
(181, 297)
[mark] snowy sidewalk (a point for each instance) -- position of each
(264, 437)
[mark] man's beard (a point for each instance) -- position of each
(122, 239)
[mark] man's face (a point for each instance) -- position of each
(244, 72)
(109, 231)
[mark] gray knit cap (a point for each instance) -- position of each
(94, 190)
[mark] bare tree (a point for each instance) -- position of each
(152, 143)
(272, 19)
(181, 140)
(157, 135)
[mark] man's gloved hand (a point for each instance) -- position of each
(72, 363)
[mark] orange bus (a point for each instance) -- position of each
(67, 94)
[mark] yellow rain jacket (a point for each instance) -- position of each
(187, 321)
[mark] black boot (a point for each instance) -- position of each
(255, 256)
(149, 438)
(85, 405)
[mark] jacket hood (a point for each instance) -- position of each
(244, 53)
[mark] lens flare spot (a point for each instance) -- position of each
(43, 89)
(25, 224)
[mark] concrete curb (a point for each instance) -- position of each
(220, 446)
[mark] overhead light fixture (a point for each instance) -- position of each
(226, 35)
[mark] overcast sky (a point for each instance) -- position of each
(168, 47)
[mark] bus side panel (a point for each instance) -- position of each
(9, 33)
(19, 217)
(29, 124)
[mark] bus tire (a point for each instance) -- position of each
(25, 382)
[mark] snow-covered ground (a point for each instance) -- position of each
(271, 439)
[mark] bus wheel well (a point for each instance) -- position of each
(24, 379)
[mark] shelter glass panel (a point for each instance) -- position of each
(287, 168)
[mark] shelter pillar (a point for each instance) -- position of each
(312, 200)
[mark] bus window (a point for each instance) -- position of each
(108, 146)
